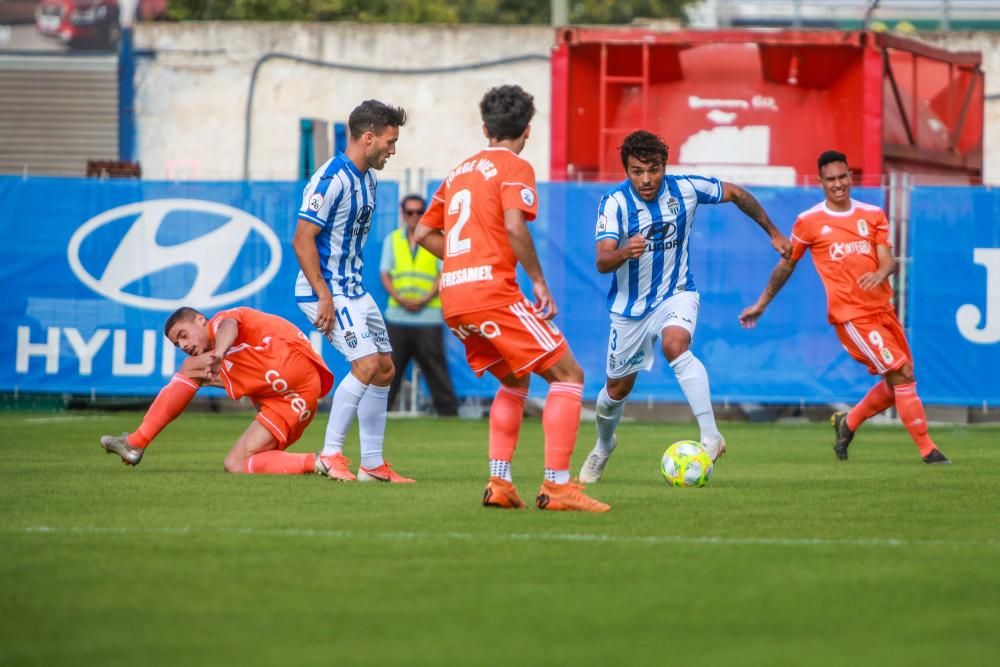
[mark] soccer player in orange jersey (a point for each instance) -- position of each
(477, 223)
(853, 256)
(247, 353)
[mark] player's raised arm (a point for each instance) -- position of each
(304, 244)
(780, 275)
(515, 224)
(747, 203)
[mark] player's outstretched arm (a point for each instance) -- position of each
(431, 239)
(524, 248)
(780, 275)
(747, 203)
(304, 244)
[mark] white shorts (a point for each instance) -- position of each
(358, 329)
(630, 342)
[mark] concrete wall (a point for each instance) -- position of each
(191, 96)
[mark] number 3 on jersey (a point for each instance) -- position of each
(461, 205)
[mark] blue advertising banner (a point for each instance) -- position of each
(954, 305)
(92, 268)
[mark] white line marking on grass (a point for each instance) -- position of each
(522, 537)
(62, 418)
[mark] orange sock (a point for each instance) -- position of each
(277, 462)
(560, 422)
(167, 406)
(879, 398)
(506, 414)
(911, 413)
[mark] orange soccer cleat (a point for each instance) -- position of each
(335, 467)
(383, 473)
(568, 497)
(501, 493)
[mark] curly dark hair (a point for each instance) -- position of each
(374, 116)
(829, 157)
(644, 146)
(506, 111)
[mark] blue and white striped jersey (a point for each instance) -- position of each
(341, 200)
(639, 285)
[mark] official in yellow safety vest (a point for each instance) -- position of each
(413, 317)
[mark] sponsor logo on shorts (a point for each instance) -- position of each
(382, 338)
(280, 387)
(350, 339)
(614, 363)
(886, 355)
(487, 329)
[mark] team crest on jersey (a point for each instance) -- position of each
(863, 227)
(316, 201)
(674, 205)
(350, 339)
(527, 196)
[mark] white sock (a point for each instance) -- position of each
(693, 379)
(557, 476)
(500, 469)
(371, 425)
(342, 411)
(609, 413)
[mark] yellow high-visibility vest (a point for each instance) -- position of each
(414, 275)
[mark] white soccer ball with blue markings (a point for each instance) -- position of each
(686, 463)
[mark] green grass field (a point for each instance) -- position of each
(788, 557)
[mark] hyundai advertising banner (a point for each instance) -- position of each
(92, 268)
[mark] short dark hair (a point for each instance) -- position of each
(412, 197)
(374, 116)
(506, 111)
(643, 146)
(829, 157)
(182, 314)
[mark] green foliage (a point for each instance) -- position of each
(511, 12)
(787, 557)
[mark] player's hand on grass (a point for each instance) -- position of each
(870, 280)
(324, 314)
(781, 243)
(545, 305)
(750, 315)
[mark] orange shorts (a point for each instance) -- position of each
(508, 339)
(291, 404)
(877, 341)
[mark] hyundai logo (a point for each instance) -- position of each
(175, 252)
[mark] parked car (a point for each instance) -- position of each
(89, 23)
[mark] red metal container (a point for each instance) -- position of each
(756, 106)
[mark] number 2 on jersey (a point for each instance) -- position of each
(461, 204)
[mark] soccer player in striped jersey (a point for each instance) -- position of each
(338, 207)
(478, 224)
(643, 238)
(852, 253)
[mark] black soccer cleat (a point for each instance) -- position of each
(936, 457)
(842, 434)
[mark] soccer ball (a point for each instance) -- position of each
(686, 463)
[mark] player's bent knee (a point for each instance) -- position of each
(234, 464)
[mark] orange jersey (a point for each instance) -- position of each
(480, 268)
(255, 364)
(843, 249)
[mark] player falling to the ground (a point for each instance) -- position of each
(644, 227)
(338, 207)
(853, 256)
(247, 353)
(477, 223)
